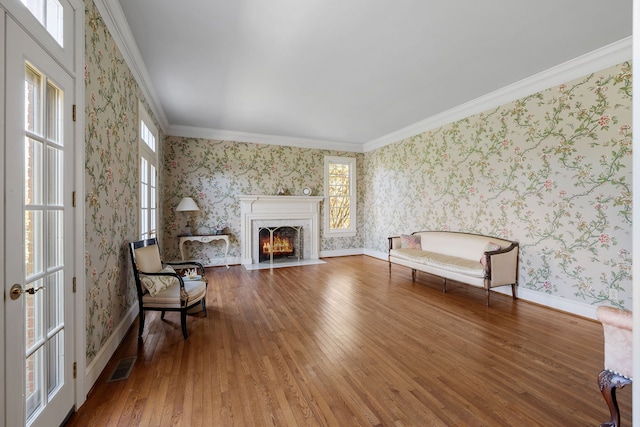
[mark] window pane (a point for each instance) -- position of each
(50, 15)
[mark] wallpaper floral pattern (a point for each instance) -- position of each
(215, 172)
(551, 170)
(111, 181)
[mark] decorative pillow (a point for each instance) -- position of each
(410, 241)
(157, 284)
(488, 247)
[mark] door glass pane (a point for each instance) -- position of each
(34, 388)
(54, 104)
(33, 319)
(34, 158)
(33, 242)
(43, 242)
(55, 352)
(55, 238)
(55, 299)
(33, 101)
(54, 184)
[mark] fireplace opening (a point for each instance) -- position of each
(279, 244)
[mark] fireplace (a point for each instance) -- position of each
(279, 213)
(280, 244)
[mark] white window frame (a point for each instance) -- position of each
(346, 232)
(150, 155)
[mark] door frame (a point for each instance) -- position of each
(72, 59)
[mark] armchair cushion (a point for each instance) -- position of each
(156, 284)
(170, 298)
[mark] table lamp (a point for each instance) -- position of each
(187, 205)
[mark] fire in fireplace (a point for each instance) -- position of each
(280, 243)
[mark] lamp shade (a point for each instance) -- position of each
(187, 204)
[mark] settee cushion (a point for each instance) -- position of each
(410, 241)
(441, 261)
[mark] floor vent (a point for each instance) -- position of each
(123, 369)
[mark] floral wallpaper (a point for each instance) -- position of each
(551, 170)
(111, 181)
(215, 172)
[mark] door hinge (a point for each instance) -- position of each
(73, 199)
(75, 369)
(73, 114)
(74, 285)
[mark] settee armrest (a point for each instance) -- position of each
(394, 242)
(502, 266)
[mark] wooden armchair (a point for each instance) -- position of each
(160, 288)
(618, 360)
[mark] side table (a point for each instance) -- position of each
(206, 239)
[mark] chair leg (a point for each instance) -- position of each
(204, 306)
(162, 315)
(513, 291)
(609, 382)
(140, 323)
(183, 322)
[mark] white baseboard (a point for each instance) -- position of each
(551, 301)
(97, 365)
(217, 262)
(341, 252)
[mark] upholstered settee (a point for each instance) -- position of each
(482, 261)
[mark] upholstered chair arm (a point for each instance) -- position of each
(198, 265)
(618, 337)
(502, 266)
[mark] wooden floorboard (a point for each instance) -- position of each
(348, 344)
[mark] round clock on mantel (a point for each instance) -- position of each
(306, 191)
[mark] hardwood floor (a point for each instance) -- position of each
(346, 344)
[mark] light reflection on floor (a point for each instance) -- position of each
(267, 266)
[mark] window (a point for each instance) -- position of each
(340, 193)
(50, 14)
(148, 175)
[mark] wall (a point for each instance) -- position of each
(215, 172)
(552, 170)
(111, 182)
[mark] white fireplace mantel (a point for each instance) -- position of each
(264, 208)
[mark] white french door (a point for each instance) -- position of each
(39, 234)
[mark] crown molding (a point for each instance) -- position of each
(581, 66)
(257, 138)
(116, 22)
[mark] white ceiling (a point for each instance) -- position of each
(350, 71)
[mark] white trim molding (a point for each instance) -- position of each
(584, 65)
(256, 138)
(116, 22)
